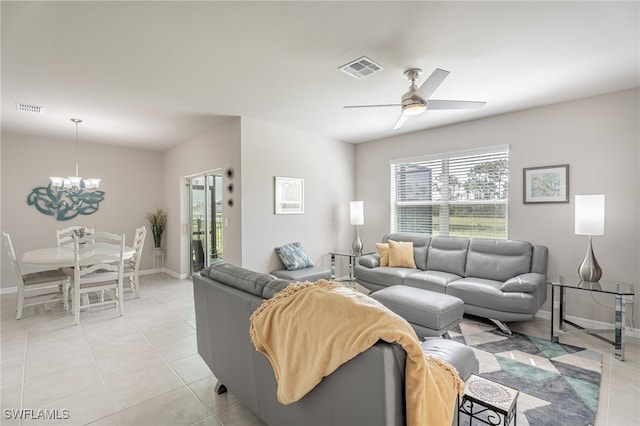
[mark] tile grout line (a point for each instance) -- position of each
(185, 384)
(24, 372)
(95, 362)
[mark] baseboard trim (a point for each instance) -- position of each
(591, 324)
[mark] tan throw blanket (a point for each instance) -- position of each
(308, 330)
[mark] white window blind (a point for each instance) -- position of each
(457, 194)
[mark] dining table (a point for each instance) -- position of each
(59, 257)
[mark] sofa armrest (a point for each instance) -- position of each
(525, 283)
(370, 260)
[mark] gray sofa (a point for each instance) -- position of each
(367, 390)
(502, 280)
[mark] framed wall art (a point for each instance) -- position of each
(548, 184)
(289, 195)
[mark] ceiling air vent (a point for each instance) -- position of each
(33, 109)
(360, 68)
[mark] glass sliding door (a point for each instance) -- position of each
(205, 213)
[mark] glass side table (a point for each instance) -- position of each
(623, 293)
(353, 256)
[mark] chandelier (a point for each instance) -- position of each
(74, 183)
(67, 197)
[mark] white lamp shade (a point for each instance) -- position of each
(589, 214)
(356, 210)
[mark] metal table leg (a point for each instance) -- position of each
(619, 320)
(352, 265)
(557, 312)
(333, 266)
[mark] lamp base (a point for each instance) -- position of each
(589, 269)
(357, 242)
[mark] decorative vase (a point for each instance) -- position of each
(357, 242)
(589, 269)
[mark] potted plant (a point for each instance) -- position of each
(158, 221)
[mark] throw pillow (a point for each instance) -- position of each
(293, 256)
(401, 254)
(383, 251)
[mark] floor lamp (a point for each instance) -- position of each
(590, 221)
(356, 210)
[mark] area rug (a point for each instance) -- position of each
(558, 383)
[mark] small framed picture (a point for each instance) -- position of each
(289, 195)
(548, 184)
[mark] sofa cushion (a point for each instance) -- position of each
(293, 256)
(313, 273)
(242, 279)
(273, 287)
(382, 276)
(525, 283)
(487, 294)
(383, 252)
(448, 254)
(370, 260)
(430, 280)
(420, 245)
(401, 254)
(498, 259)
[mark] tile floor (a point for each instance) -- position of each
(143, 368)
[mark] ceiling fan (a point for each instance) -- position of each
(416, 100)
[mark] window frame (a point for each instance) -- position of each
(450, 200)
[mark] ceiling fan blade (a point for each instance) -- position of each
(431, 84)
(372, 106)
(400, 122)
(445, 104)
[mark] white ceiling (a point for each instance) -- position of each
(154, 74)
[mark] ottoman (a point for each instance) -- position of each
(431, 314)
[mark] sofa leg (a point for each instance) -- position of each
(446, 335)
(220, 388)
(502, 326)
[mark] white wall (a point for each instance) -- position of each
(598, 137)
(327, 167)
(219, 148)
(131, 179)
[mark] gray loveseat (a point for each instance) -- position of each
(502, 280)
(367, 390)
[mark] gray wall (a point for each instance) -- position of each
(598, 137)
(219, 148)
(131, 179)
(327, 167)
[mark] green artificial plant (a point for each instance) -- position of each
(158, 221)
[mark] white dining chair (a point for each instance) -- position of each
(65, 235)
(132, 265)
(98, 267)
(32, 286)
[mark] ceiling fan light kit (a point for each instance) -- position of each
(416, 100)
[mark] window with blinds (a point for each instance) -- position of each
(456, 194)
